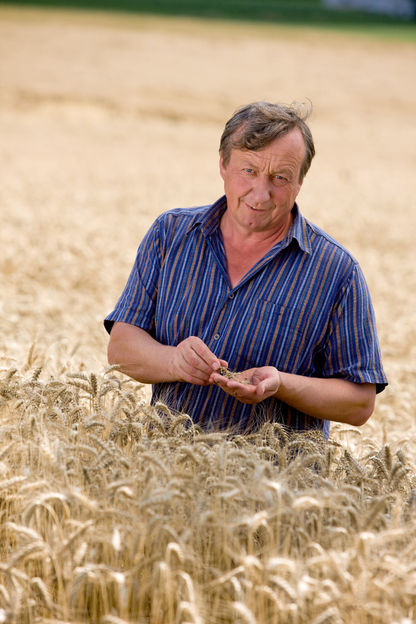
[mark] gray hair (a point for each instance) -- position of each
(255, 125)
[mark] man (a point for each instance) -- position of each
(249, 283)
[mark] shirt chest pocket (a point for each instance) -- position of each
(276, 335)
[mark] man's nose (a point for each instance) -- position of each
(261, 189)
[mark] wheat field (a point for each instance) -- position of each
(114, 512)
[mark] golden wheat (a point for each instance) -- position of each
(184, 526)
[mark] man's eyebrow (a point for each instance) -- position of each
(286, 170)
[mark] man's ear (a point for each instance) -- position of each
(222, 166)
(299, 186)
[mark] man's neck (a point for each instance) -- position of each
(244, 249)
(243, 238)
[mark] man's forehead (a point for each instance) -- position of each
(268, 155)
(292, 141)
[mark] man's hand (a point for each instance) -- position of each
(193, 362)
(250, 386)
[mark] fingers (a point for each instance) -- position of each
(264, 382)
(246, 393)
(195, 362)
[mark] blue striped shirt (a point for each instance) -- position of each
(303, 308)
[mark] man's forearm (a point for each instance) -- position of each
(333, 399)
(139, 355)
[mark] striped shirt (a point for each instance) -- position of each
(303, 308)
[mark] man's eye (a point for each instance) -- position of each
(248, 171)
(279, 180)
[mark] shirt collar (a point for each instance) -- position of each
(209, 221)
(299, 230)
(208, 218)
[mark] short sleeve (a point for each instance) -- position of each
(136, 305)
(352, 349)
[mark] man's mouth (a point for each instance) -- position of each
(255, 209)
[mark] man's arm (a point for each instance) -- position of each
(329, 399)
(145, 359)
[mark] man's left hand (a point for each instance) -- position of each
(250, 386)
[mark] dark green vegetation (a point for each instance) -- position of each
(302, 13)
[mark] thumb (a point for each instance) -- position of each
(262, 388)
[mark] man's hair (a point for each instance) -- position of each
(255, 125)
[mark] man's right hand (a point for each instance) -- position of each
(145, 359)
(193, 362)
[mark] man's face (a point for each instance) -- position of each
(261, 186)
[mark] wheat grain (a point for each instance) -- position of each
(240, 609)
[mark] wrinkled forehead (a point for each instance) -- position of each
(290, 144)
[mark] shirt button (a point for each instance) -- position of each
(216, 337)
(231, 296)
